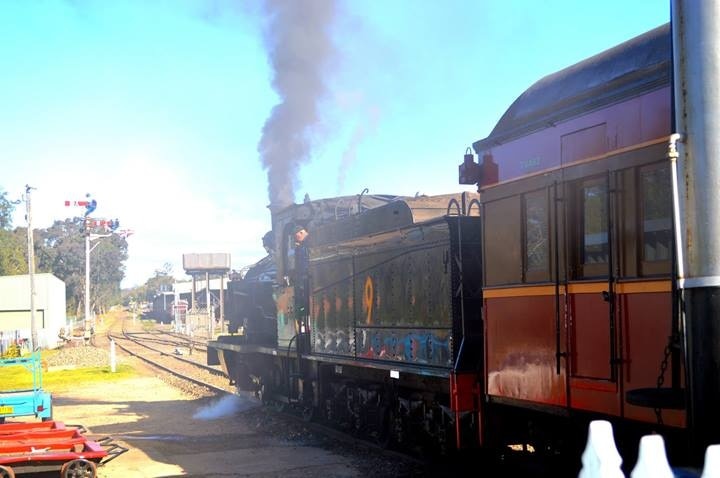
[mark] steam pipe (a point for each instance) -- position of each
(360, 199)
(673, 157)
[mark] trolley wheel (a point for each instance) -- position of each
(6, 472)
(79, 468)
(50, 418)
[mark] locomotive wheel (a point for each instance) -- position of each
(384, 433)
(279, 406)
(79, 468)
(270, 388)
(308, 413)
(242, 378)
(6, 472)
(263, 391)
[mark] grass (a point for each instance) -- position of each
(20, 378)
(60, 380)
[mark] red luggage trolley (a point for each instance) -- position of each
(47, 446)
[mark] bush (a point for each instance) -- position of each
(13, 351)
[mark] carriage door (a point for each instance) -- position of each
(590, 296)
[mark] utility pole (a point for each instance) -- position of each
(31, 268)
(207, 303)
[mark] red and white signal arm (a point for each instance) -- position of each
(77, 203)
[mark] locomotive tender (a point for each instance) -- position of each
(380, 331)
(513, 316)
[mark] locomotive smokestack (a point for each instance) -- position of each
(696, 52)
(297, 39)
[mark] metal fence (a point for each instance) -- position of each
(601, 458)
(199, 322)
(45, 338)
(12, 337)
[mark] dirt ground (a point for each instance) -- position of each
(170, 433)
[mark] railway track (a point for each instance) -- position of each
(158, 349)
(163, 337)
(173, 356)
(159, 340)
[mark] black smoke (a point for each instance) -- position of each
(298, 40)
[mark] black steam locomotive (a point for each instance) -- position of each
(372, 323)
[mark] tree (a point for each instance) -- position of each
(13, 252)
(62, 252)
(162, 280)
(7, 208)
(107, 271)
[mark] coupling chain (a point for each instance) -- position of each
(661, 377)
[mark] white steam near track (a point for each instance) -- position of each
(226, 406)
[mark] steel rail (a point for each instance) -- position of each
(169, 370)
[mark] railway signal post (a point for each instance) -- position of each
(110, 227)
(89, 323)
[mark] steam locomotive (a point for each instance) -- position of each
(512, 316)
(380, 330)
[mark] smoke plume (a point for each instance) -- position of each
(364, 128)
(300, 50)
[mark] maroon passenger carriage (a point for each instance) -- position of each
(582, 303)
(578, 249)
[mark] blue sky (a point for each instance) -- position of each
(157, 108)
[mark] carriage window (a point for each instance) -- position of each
(536, 236)
(656, 214)
(502, 240)
(594, 223)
